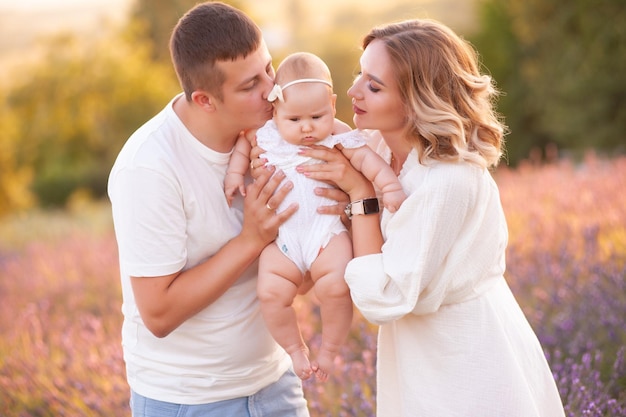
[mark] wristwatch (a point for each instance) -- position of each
(364, 206)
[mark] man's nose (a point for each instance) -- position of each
(268, 80)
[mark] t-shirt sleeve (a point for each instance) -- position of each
(149, 222)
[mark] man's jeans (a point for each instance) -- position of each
(284, 398)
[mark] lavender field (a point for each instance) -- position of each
(60, 319)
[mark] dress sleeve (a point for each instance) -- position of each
(352, 139)
(422, 238)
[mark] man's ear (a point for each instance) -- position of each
(203, 100)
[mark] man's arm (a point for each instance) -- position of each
(165, 302)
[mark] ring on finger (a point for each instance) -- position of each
(270, 208)
(252, 164)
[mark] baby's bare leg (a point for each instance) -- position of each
(279, 279)
(335, 302)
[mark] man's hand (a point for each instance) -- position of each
(263, 196)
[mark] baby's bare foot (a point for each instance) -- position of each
(323, 365)
(301, 364)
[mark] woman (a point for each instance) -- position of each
(453, 341)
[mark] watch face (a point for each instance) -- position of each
(370, 205)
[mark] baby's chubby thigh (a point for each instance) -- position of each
(279, 277)
(328, 269)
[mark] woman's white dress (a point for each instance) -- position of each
(453, 340)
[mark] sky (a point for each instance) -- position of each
(38, 5)
(24, 22)
(52, 15)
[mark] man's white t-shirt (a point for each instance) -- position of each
(170, 214)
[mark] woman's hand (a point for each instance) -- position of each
(336, 171)
(335, 194)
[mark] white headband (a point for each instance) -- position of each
(277, 90)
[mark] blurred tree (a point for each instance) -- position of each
(14, 179)
(76, 107)
(561, 65)
(297, 23)
(158, 18)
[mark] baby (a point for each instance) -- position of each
(304, 114)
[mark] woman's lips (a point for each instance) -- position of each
(357, 110)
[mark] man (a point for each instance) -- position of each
(193, 336)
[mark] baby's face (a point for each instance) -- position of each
(307, 114)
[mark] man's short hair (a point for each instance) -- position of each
(208, 33)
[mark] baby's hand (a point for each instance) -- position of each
(233, 182)
(393, 199)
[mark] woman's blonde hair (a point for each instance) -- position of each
(449, 103)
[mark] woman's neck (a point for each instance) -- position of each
(396, 163)
(400, 150)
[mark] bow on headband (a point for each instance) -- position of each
(277, 90)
